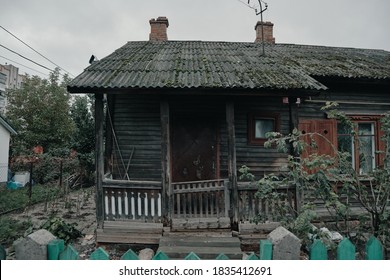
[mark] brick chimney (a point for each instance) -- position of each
(158, 29)
(268, 28)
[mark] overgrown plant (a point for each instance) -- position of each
(330, 179)
(61, 229)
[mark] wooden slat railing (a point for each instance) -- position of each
(200, 199)
(250, 206)
(132, 200)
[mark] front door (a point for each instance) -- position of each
(194, 150)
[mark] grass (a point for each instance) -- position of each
(16, 199)
(11, 229)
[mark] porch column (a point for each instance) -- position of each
(99, 158)
(293, 123)
(165, 159)
(232, 162)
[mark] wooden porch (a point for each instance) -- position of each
(134, 213)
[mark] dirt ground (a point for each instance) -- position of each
(77, 207)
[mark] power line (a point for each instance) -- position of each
(23, 65)
(27, 58)
(20, 40)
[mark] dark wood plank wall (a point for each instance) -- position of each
(137, 126)
(259, 159)
(311, 110)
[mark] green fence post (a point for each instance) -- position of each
(130, 255)
(222, 256)
(192, 256)
(265, 250)
(55, 248)
(160, 256)
(3, 253)
(99, 254)
(69, 254)
(252, 257)
(374, 249)
(318, 251)
(346, 250)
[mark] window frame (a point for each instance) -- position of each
(252, 118)
(378, 143)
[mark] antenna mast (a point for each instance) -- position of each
(259, 12)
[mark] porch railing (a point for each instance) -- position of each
(132, 200)
(250, 206)
(200, 199)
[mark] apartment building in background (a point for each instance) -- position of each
(9, 79)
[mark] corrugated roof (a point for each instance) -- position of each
(228, 65)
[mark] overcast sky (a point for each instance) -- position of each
(68, 32)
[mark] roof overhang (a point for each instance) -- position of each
(7, 126)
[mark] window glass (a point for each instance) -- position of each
(263, 126)
(360, 146)
(366, 147)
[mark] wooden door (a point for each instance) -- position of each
(194, 150)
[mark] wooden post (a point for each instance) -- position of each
(30, 183)
(99, 158)
(165, 160)
(61, 171)
(293, 123)
(232, 165)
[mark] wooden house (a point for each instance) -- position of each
(175, 120)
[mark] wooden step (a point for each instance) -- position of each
(184, 224)
(129, 232)
(204, 247)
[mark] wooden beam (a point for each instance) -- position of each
(99, 158)
(293, 113)
(165, 159)
(232, 161)
(293, 122)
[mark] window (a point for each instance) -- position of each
(362, 142)
(259, 125)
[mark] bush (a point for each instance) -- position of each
(11, 229)
(61, 229)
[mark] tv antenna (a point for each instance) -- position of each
(259, 11)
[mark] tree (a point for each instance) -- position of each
(83, 140)
(39, 110)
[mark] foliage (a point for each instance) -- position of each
(39, 111)
(11, 229)
(15, 199)
(43, 115)
(330, 179)
(83, 140)
(61, 229)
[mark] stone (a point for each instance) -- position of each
(286, 246)
(146, 254)
(34, 246)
